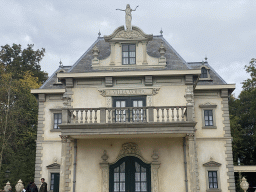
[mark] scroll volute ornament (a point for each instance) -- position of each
(244, 184)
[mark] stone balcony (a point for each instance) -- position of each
(99, 122)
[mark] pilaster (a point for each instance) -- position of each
(228, 145)
(65, 164)
(193, 164)
(40, 133)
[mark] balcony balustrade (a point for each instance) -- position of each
(127, 115)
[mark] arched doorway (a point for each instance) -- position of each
(130, 174)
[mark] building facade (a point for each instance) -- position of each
(132, 115)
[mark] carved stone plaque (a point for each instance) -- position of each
(127, 92)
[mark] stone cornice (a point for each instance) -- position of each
(212, 87)
(128, 128)
(130, 74)
(47, 91)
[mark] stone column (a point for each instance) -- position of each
(112, 58)
(193, 172)
(144, 45)
(63, 162)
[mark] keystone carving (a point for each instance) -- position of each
(129, 35)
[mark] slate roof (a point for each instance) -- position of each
(173, 62)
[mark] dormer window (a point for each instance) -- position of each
(204, 73)
(129, 54)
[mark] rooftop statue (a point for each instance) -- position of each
(128, 17)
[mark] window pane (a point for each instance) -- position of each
(116, 177)
(132, 60)
(122, 103)
(125, 54)
(137, 186)
(143, 186)
(116, 170)
(125, 47)
(116, 186)
(137, 176)
(122, 167)
(122, 186)
(122, 176)
(132, 54)
(132, 48)
(140, 104)
(118, 104)
(125, 61)
(143, 177)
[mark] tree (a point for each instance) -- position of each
(17, 61)
(243, 121)
(19, 73)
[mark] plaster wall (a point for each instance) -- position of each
(215, 148)
(171, 171)
(217, 117)
(50, 151)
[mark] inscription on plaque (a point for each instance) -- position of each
(124, 92)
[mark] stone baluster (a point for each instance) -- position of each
(81, 121)
(157, 114)
(121, 115)
(90, 116)
(182, 113)
(95, 115)
(85, 118)
(71, 115)
(109, 115)
(114, 115)
(144, 115)
(77, 116)
(127, 115)
(177, 110)
(162, 114)
(172, 113)
(167, 110)
(140, 114)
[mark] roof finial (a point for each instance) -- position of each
(205, 58)
(161, 32)
(99, 33)
(61, 65)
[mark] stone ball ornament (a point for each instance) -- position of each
(244, 184)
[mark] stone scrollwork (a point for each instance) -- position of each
(128, 35)
(129, 149)
(155, 91)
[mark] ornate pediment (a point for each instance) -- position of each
(212, 164)
(120, 34)
(53, 166)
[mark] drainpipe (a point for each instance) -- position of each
(185, 163)
(74, 173)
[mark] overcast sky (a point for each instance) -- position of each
(222, 30)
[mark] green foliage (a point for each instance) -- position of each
(243, 120)
(19, 73)
(17, 61)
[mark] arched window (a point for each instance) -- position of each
(204, 73)
(130, 174)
